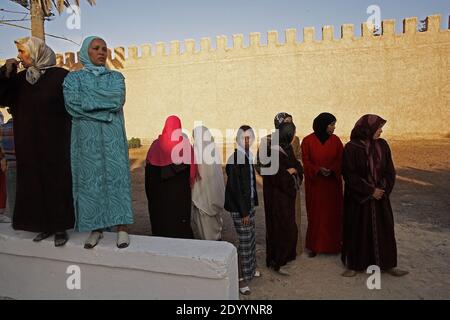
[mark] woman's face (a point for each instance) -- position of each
(378, 133)
(288, 120)
(331, 128)
(98, 52)
(24, 57)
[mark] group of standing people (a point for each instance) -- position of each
(185, 190)
(356, 222)
(70, 143)
(73, 172)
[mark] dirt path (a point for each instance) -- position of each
(421, 205)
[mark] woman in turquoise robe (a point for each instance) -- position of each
(94, 97)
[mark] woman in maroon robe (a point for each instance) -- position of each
(369, 174)
(322, 159)
(280, 191)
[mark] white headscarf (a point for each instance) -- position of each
(41, 55)
(208, 193)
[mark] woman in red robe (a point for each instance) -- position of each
(322, 159)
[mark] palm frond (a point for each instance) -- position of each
(23, 3)
(46, 6)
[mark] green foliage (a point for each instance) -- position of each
(134, 143)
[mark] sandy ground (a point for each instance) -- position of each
(421, 205)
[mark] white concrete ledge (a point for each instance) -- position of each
(151, 268)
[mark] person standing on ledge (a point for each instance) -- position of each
(95, 97)
(42, 130)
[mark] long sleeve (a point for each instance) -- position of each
(360, 189)
(283, 179)
(311, 169)
(264, 151)
(300, 170)
(294, 162)
(239, 192)
(81, 102)
(336, 167)
(297, 148)
(389, 173)
(8, 88)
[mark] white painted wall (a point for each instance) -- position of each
(151, 268)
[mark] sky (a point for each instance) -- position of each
(137, 22)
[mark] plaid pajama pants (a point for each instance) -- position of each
(247, 244)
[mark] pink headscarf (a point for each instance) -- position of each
(172, 147)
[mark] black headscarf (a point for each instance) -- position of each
(321, 124)
(287, 133)
(279, 119)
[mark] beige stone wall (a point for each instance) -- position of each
(404, 78)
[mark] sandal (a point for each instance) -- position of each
(398, 272)
(61, 238)
(93, 239)
(349, 273)
(123, 240)
(41, 236)
(283, 272)
(245, 291)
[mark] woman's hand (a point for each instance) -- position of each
(325, 172)
(378, 194)
(246, 221)
(292, 171)
(11, 66)
(4, 165)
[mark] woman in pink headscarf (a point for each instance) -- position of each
(369, 174)
(169, 175)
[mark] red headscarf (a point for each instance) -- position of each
(172, 147)
(364, 131)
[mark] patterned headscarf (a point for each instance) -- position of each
(41, 55)
(280, 118)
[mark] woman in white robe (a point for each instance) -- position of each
(208, 193)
